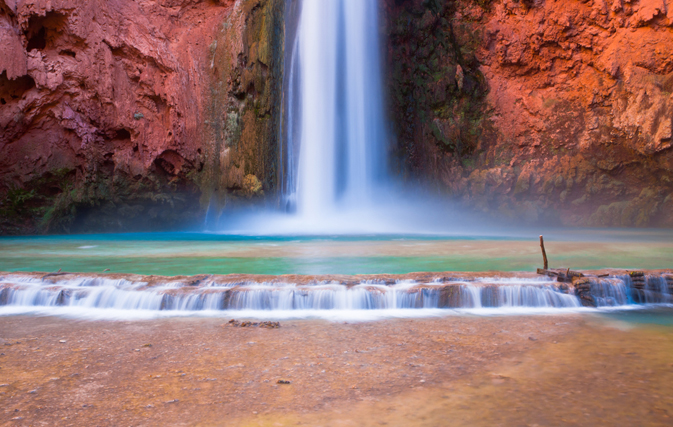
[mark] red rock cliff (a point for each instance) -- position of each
(109, 109)
(550, 110)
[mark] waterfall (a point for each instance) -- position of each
(334, 100)
(333, 165)
(514, 294)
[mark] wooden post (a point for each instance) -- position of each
(544, 253)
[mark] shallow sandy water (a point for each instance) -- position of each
(545, 370)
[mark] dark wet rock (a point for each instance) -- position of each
(4, 296)
(583, 291)
(450, 297)
(638, 280)
(166, 302)
(198, 280)
(63, 297)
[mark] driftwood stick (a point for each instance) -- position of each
(544, 254)
(54, 274)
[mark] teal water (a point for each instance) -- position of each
(271, 266)
(659, 316)
(203, 253)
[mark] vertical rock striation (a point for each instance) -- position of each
(244, 110)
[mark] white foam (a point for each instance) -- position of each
(84, 313)
(99, 297)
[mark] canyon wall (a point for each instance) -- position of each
(542, 110)
(130, 115)
(121, 115)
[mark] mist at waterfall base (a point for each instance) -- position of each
(391, 211)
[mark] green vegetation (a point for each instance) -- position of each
(27, 206)
(58, 200)
(550, 103)
(16, 200)
(436, 86)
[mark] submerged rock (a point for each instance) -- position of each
(249, 324)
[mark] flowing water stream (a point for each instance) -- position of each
(211, 295)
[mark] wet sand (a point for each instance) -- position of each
(544, 370)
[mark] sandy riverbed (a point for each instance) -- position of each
(544, 370)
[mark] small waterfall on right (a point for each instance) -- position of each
(610, 292)
(649, 289)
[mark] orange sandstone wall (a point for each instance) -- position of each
(555, 111)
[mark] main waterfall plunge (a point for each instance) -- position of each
(334, 161)
(337, 128)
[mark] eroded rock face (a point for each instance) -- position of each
(242, 127)
(550, 110)
(106, 108)
(139, 114)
